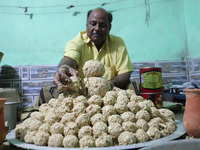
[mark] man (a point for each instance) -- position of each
(96, 43)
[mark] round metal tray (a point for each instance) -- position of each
(184, 144)
(180, 131)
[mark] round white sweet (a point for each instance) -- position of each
(87, 141)
(57, 128)
(115, 129)
(99, 128)
(133, 107)
(114, 119)
(61, 110)
(141, 136)
(96, 86)
(154, 112)
(130, 93)
(143, 114)
(126, 138)
(68, 117)
(80, 98)
(136, 98)
(98, 118)
(54, 102)
(110, 98)
(104, 140)
(128, 116)
(108, 110)
(121, 107)
(20, 131)
(29, 137)
(111, 94)
(129, 126)
(79, 108)
(55, 140)
(93, 68)
(85, 130)
(156, 122)
(44, 108)
(153, 133)
(146, 105)
(32, 124)
(93, 109)
(95, 99)
(45, 127)
(121, 92)
(67, 101)
(71, 129)
(74, 84)
(41, 139)
(83, 120)
(70, 141)
(38, 115)
(171, 126)
(142, 124)
(167, 113)
(51, 118)
(122, 99)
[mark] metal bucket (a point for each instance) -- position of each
(10, 114)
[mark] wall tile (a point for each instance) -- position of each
(42, 72)
(173, 67)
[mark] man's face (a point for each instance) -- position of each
(98, 26)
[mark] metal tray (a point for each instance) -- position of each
(180, 131)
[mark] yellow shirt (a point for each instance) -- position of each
(113, 54)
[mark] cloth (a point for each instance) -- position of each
(47, 93)
(25, 112)
(11, 94)
(172, 106)
(113, 54)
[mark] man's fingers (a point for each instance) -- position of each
(74, 72)
(56, 79)
(64, 88)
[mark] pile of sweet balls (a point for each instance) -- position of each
(94, 115)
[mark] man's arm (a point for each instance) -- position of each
(68, 61)
(122, 80)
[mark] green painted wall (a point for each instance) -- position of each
(192, 11)
(169, 33)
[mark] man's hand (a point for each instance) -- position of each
(122, 80)
(66, 68)
(62, 76)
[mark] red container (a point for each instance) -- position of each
(156, 98)
(151, 85)
(150, 80)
